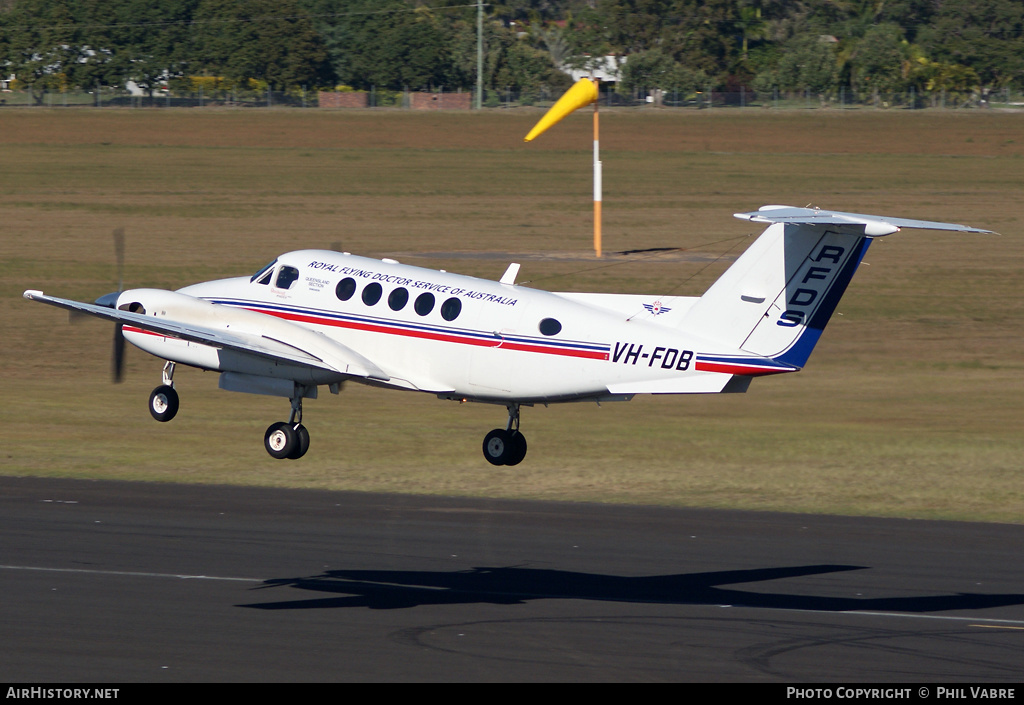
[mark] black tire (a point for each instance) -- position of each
(163, 403)
(301, 442)
(518, 450)
(498, 446)
(280, 440)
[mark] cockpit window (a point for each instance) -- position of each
(286, 276)
(263, 276)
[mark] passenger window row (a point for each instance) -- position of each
(398, 298)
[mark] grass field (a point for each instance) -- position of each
(912, 404)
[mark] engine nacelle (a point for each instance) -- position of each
(256, 328)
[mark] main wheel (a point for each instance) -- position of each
(163, 403)
(280, 440)
(518, 450)
(498, 447)
(301, 442)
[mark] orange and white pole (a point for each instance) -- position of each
(597, 185)
(583, 92)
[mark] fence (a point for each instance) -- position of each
(116, 97)
(695, 99)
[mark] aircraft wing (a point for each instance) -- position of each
(874, 225)
(330, 355)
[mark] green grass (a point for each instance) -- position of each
(911, 406)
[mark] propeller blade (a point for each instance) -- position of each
(110, 300)
(119, 254)
(118, 360)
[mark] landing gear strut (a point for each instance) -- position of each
(288, 439)
(506, 446)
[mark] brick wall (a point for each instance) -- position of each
(357, 99)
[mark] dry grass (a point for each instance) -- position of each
(911, 406)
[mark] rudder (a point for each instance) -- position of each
(775, 300)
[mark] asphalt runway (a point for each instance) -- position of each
(128, 582)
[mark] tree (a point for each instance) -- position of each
(387, 43)
(146, 41)
(752, 25)
(656, 69)
(512, 62)
(271, 41)
(877, 60)
(42, 45)
(984, 35)
(808, 63)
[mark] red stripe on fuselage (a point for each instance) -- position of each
(731, 369)
(502, 343)
(133, 329)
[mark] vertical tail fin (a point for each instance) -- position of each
(792, 325)
(776, 299)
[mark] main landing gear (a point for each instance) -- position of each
(506, 446)
(284, 439)
(288, 439)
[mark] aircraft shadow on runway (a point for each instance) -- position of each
(398, 589)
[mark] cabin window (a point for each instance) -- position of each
(398, 298)
(263, 276)
(346, 287)
(424, 303)
(550, 326)
(372, 293)
(451, 309)
(286, 276)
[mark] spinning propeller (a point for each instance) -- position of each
(110, 301)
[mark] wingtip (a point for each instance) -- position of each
(31, 294)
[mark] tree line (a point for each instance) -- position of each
(683, 45)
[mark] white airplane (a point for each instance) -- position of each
(315, 318)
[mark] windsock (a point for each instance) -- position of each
(583, 92)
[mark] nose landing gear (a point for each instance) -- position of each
(163, 402)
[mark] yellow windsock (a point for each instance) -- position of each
(583, 92)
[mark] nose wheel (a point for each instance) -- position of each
(163, 401)
(506, 446)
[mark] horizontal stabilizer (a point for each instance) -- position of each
(775, 300)
(874, 225)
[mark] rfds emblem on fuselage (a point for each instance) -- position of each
(656, 308)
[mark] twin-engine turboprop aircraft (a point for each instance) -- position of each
(317, 318)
